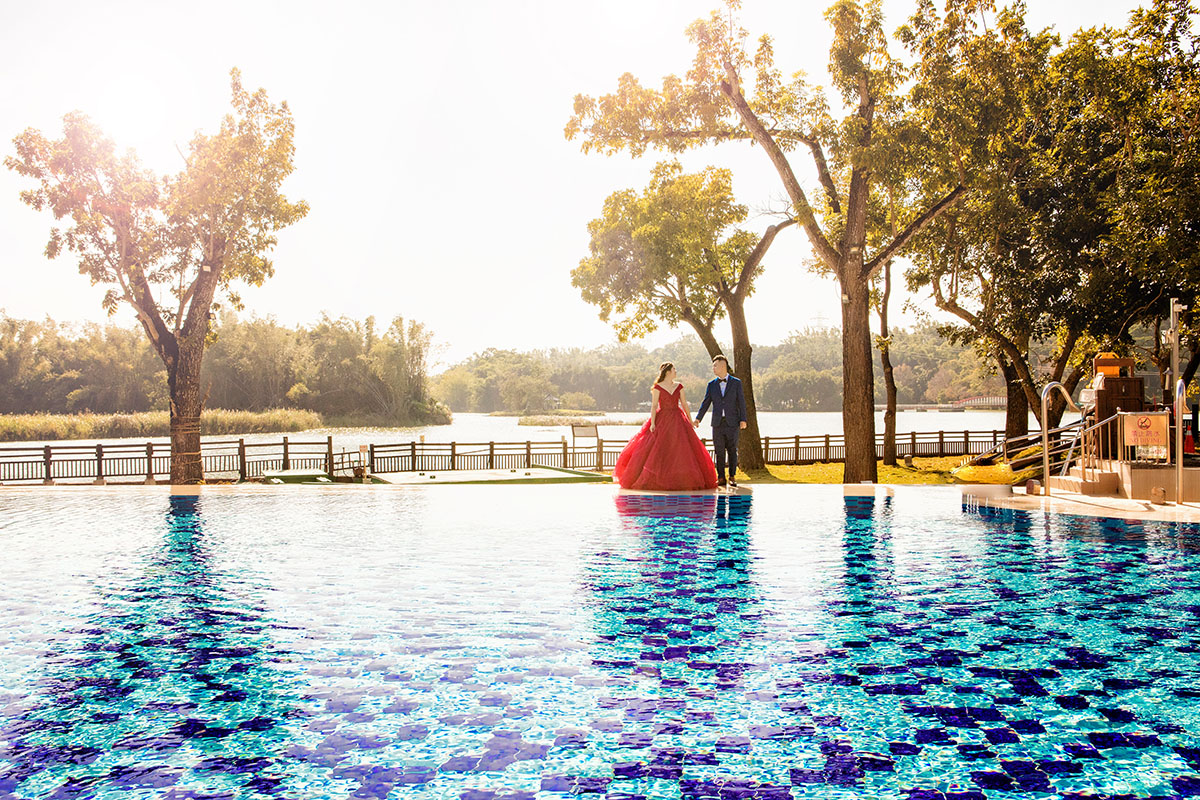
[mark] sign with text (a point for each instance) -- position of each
(1145, 430)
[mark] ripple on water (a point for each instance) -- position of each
(469, 642)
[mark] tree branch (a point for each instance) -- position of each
(711, 260)
(915, 227)
(831, 192)
(742, 287)
(804, 212)
(142, 299)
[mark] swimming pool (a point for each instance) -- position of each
(522, 642)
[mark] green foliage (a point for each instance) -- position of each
(661, 255)
(580, 401)
(802, 373)
(58, 369)
(340, 368)
(168, 246)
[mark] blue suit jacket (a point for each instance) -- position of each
(731, 409)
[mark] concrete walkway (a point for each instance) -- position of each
(1069, 503)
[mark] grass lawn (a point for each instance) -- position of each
(924, 470)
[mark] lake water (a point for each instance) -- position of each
(486, 428)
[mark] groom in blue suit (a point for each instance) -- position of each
(728, 403)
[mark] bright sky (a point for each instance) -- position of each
(429, 145)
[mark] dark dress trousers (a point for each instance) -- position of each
(729, 411)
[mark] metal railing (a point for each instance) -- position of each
(237, 459)
(1095, 449)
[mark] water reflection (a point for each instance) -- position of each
(680, 619)
(680, 602)
(172, 685)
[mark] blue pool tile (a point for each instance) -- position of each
(993, 780)
(677, 667)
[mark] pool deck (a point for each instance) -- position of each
(1069, 503)
(984, 495)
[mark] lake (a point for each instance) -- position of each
(477, 428)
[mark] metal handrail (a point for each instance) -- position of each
(1081, 438)
(1024, 440)
(1046, 392)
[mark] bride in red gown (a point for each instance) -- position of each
(666, 454)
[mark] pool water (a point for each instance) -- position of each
(480, 643)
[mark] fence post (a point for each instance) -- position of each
(453, 455)
(566, 457)
(966, 443)
(797, 449)
(412, 456)
(995, 433)
(766, 449)
(329, 456)
(528, 454)
(599, 455)
(149, 463)
(99, 465)
(371, 459)
(912, 443)
(49, 479)
(287, 460)
(241, 459)
(827, 448)
(491, 455)
(941, 443)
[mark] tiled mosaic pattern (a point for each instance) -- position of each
(672, 647)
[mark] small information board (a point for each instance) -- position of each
(1148, 433)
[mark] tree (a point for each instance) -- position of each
(581, 401)
(672, 254)
(1048, 247)
(709, 107)
(184, 238)
(1149, 85)
(255, 364)
(357, 370)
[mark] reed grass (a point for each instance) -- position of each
(146, 424)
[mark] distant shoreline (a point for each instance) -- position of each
(153, 424)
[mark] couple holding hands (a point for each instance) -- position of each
(666, 454)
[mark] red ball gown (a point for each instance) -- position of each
(669, 458)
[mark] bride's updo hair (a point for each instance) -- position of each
(663, 369)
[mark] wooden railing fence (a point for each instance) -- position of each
(238, 459)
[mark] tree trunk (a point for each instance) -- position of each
(705, 333)
(885, 360)
(1189, 369)
(889, 414)
(183, 385)
(1016, 406)
(750, 454)
(858, 383)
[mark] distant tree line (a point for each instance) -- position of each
(342, 368)
(802, 373)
